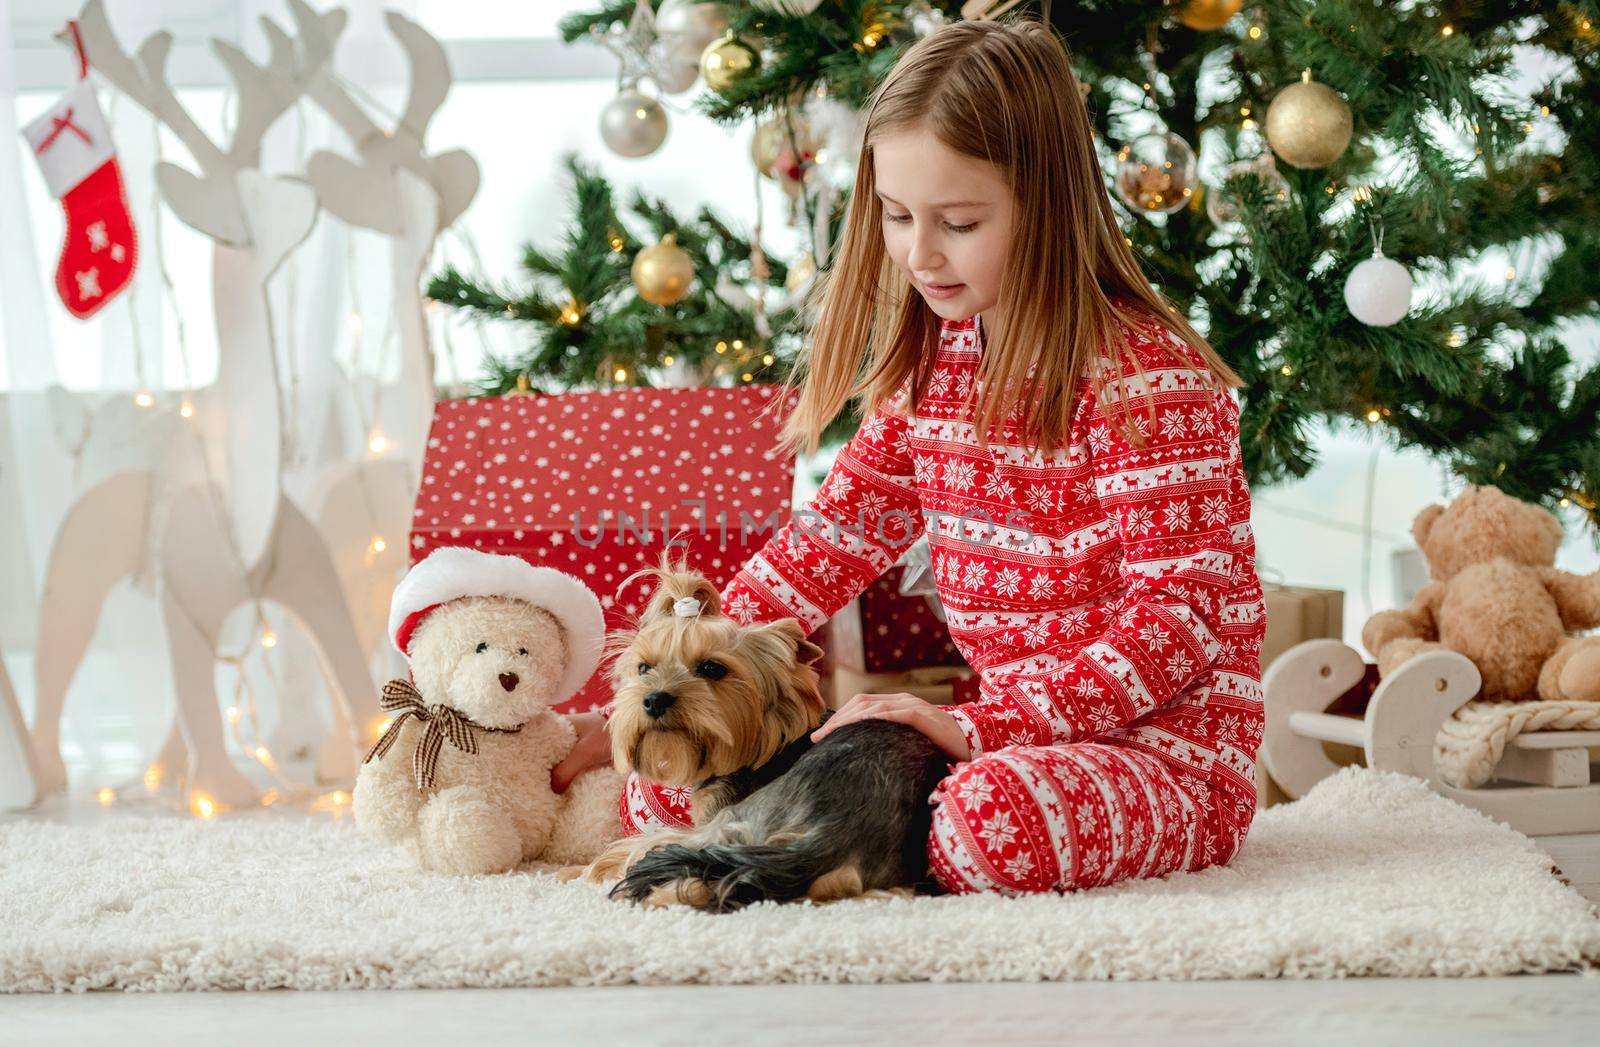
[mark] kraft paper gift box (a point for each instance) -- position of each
(1299, 613)
(595, 483)
(1295, 614)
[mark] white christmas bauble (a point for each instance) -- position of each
(927, 20)
(633, 124)
(694, 25)
(1378, 291)
(836, 128)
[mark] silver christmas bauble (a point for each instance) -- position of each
(788, 7)
(1378, 291)
(633, 124)
(694, 25)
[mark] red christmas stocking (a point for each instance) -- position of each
(73, 146)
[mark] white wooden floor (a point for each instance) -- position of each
(1577, 860)
(1551, 1009)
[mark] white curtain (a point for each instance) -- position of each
(60, 379)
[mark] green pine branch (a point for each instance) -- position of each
(587, 325)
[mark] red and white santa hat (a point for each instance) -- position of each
(453, 573)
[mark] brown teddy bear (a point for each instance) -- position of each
(1497, 598)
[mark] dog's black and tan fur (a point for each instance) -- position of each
(729, 709)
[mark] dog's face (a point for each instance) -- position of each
(494, 659)
(700, 696)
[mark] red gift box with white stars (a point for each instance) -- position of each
(593, 483)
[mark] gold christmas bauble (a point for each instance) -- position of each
(1308, 124)
(662, 273)
(726, 60)
(1206, 15)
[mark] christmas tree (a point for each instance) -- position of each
(1361, 147)
(692, 323)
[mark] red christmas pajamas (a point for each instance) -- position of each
(1106, 595)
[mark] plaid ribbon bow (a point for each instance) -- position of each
(403, 698)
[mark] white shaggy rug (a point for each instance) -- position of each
(1370, 874)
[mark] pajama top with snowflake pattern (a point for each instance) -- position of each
(1115, 595)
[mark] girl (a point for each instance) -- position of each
(1070, 446)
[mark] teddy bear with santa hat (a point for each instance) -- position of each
(460, 779)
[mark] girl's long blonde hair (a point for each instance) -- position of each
(1002, 91)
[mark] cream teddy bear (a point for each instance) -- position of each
(461, 777)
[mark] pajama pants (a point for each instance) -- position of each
(1046, 818)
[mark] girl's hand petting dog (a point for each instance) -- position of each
(593, 750)
(938, 726)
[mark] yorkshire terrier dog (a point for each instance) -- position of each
(700, 700)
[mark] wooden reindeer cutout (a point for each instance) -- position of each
(254, 221)
(231, 536)
(394, 188)
(19, 780)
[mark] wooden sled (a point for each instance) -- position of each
(1542, 784)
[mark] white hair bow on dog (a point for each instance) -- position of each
(686, 607)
